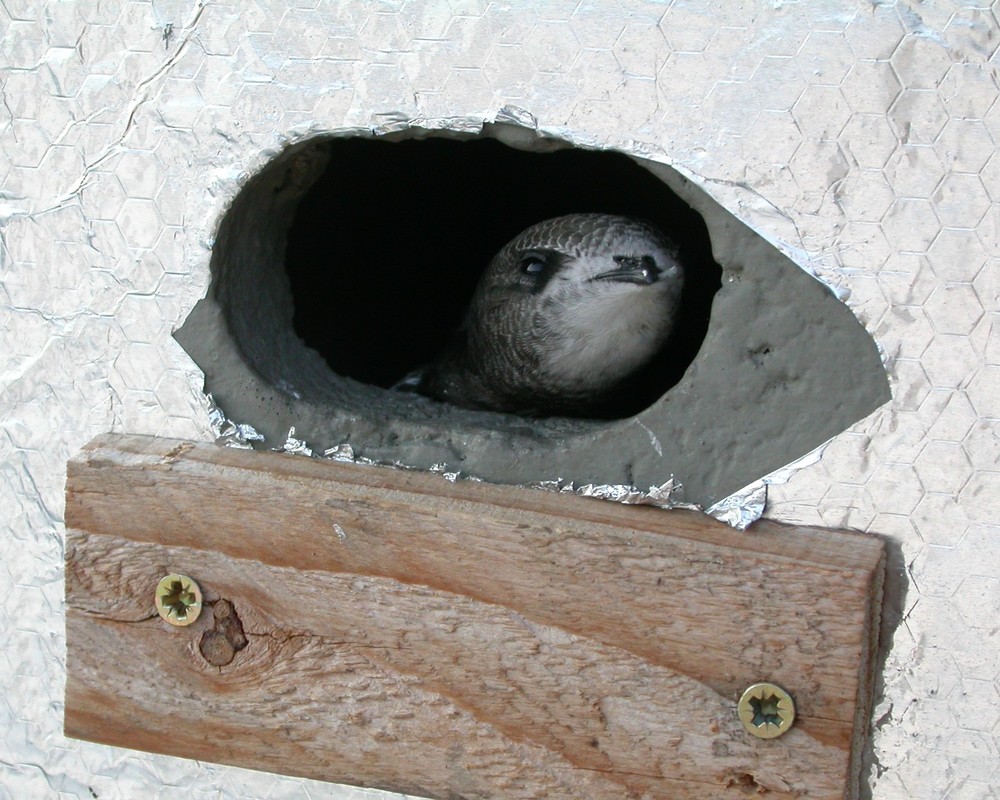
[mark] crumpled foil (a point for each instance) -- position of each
(662, 496)
(295, 446)
(515, 115)
(229, 433)
(743, 508)
(739, 510)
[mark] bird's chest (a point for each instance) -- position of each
(605, 338)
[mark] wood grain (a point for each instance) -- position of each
(389, 628)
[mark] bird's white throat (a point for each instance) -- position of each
(608, 331)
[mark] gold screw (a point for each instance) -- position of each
(178, 599)
(766, 710)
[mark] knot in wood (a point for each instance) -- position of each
(220, 644)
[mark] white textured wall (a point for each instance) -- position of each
(859, 136)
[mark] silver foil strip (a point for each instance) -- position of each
(739, 510)
(662, 496)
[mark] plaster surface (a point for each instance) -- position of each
(784, 366)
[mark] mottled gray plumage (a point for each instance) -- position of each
(565, 313)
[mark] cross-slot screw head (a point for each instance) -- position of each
(178, 600)
(766, 710)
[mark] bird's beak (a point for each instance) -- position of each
(640, 270)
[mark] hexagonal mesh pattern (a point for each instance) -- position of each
(861, 137)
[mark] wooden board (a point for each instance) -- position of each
(388, 628)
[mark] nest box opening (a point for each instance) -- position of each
(387, 245)
(347, 261)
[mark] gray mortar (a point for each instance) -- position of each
(784, 365)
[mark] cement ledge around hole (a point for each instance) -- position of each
(783, 367)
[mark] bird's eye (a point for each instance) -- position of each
(532, 264)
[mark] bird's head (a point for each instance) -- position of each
(581, 294)
(564, 318)
(585, 266)
(583, 254)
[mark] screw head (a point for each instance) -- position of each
(178, 600)
(766, 710)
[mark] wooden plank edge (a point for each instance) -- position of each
(781, 540)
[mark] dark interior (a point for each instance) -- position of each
(386, 247)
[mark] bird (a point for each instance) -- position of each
(566, 313)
